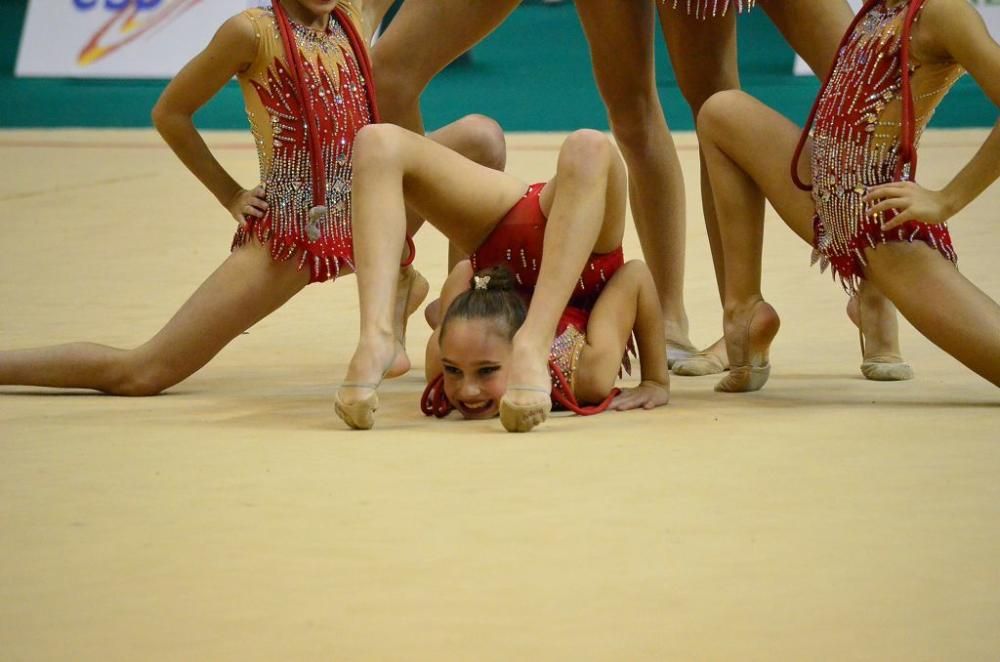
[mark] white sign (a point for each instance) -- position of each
(990, 9)
(118, 38)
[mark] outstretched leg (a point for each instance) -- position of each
(247, 287)
(941, 303)
(587, 215)
(395, 168)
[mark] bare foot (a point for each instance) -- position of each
(411, 290)
(527, 400)
(710, 361)
(749, 333)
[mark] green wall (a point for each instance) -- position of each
(533, 74)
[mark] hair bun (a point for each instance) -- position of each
(492, 295)
(495, 279)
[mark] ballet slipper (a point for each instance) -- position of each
(700, 364)
(359, 415)
(679, 351)
(761, 327)
(887, 367)
(517, 417)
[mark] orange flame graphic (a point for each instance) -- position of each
(130, 26)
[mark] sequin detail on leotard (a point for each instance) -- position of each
(341, 102)
(857, 142)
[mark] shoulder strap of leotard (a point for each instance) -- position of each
(907, 153)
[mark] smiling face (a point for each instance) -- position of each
(474, 357)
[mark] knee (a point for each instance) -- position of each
(484, 141)
(717, 112)
(134, 378)
(586, 152)
(375, 147)
(633, 117)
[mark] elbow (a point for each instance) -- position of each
(165, 118)
(158, 115)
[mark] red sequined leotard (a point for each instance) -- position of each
(335, 76)
(866, 124)
(516, 243)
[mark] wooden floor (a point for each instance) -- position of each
(824, 518)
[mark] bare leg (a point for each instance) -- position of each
(587, 215)
(620, 35)
(812, 29)
(479, 139)
(247, 287)
(394, 168)
(745, 143)
(405, 60)
(941, 303)
(747, 147)
(423, 38)
(703, 55)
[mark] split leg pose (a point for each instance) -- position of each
(278, 248)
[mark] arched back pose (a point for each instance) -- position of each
(863, 211)
(701, 38)
(498, 220)
(305, 78)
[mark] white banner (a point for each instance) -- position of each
(990, 9)
(118, 38)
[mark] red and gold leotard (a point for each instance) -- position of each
(866, 124)
(516, 243)
(335, 78)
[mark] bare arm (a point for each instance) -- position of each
(628, 305)
(231, 51)
(456, 283)
(956, 33)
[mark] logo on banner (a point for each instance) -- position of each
(130, 20)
